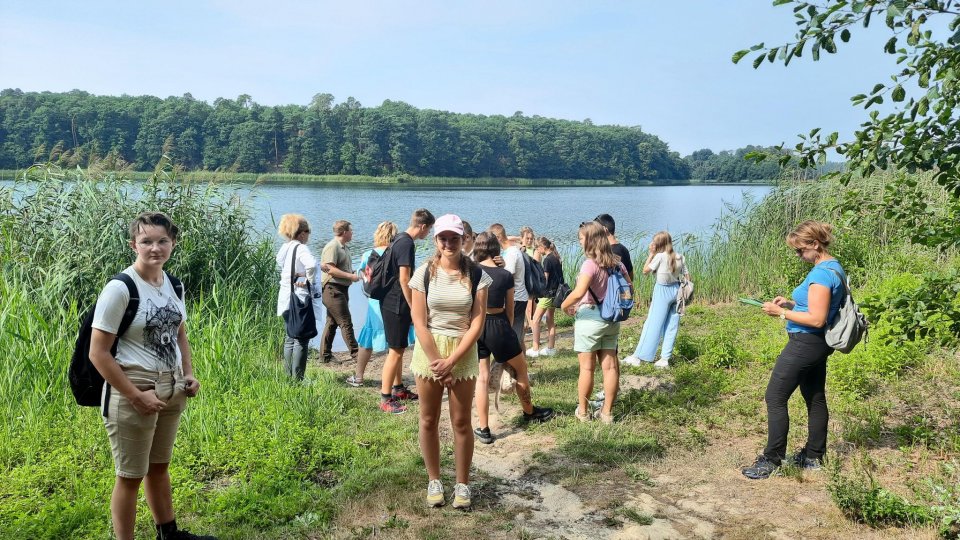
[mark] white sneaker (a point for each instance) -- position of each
(548, 352)
(461, 496)
(662, 363)
(531, 353)
(632, 361)
(435, 494)
(582, 416)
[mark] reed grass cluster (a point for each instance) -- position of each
(254, 454)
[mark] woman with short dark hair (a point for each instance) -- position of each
(148, 379)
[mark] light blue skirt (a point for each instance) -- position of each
(371, 335)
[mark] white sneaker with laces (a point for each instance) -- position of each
(662, 363)
(435, 494)
(632, 361)
(548, 352)
(531, 353)
(461, 496)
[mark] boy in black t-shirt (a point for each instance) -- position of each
(606, 220)
(395, 310)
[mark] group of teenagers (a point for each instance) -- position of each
(466, 305)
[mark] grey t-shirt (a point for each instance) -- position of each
(513, 263)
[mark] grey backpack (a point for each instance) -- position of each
(849, 326)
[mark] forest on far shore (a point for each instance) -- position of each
(77, 128)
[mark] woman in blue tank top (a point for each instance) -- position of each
(813, 305)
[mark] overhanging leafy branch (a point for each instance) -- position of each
(922, 133)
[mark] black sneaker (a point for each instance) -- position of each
(801, 461)
(539, 414)
(762, 468)
(484, 435)
(182, 534)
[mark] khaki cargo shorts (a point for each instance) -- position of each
(138, 440)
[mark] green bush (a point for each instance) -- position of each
(924, 308)
(864, 501)
(861, 372)
(721, 349)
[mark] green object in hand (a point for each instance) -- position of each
(751, 302)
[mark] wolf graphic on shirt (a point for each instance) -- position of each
(160, 332)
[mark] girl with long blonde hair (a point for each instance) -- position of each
(663, 319)
(372, 337)
(593, 337)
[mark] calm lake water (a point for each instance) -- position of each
(555, 212)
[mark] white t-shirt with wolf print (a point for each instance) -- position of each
(151, 340)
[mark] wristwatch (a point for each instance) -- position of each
(783, 314)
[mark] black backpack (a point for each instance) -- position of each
(379, 280)
(366, 278)
(86, 382)
(533, 278)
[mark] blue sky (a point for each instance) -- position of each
(664, 66)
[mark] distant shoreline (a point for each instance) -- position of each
(341, 180)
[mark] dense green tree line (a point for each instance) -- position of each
(737, 166)
(77, 128)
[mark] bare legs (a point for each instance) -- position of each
(551, 328)
(482, 397)
(461, 399)
(123, 503)
(519, 364)
(392, 369)
(611, 378)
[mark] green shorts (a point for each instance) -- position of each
(592, 333)
(545, 303)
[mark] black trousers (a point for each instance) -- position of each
(803, 363)
(337, 302)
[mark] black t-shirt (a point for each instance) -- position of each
(621, 251)
(402, 253)
(552, 266)
(502, 282)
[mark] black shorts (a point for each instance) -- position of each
(396, 327)
(519, 317)
(498, 339)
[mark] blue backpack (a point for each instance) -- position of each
(618, 301)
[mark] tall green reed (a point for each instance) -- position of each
(254, 452)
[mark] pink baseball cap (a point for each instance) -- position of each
(448, 222)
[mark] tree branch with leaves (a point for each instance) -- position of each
(923, 131)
